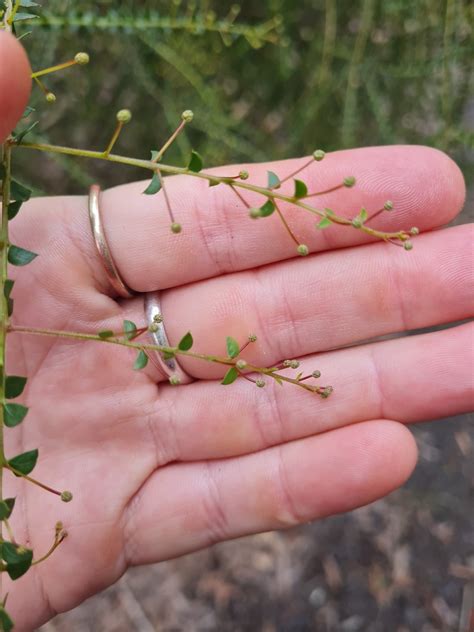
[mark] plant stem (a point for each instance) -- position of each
(170, 169)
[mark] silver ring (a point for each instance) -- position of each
(153, 315)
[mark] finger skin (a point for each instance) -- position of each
(411, 379)
(185, 507)
(15, 82)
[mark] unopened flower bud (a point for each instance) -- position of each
(187, 116)
(302, 250)
(318, 154)
(175, 380)
(176, 228)
(414, 231)
(124, 116)
(50, 97)
(349, 181)
(388, 205)
(316, 374)
(408, 245)
(252, 338)
(243, 175)
(81, 58)
(260, 383)
(154, 327)
(254, 213)
(158, 318)
(241, 364)
(66, 497)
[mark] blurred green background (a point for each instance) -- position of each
(266, 80)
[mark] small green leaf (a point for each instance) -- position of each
(324, 223)
(13, 209)
(18, 559)
(19, 191)
(130, 329)
(154, 155)
(25, 462)
(214, 183)
(273, 180)
(19, 256)
(363, 215)
(301, 190)
(27, 4)
(267, 209)
(195, 162)
(13, 414)
(141, 361)
(154, 186)
(6, 624)
(21, 135)
(8, 287)
(6, 508)
(106, 333)
(186, 342)
(14, 386)
(231, 375)
(24, 16)
(233, 347)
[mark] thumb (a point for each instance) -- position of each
(15, 82)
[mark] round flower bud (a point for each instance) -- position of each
(326, 392)
(316, 374)
(252, 338)
(66, 497)
(254, 213)
(302, 250)
(82, 59)
(349, 181)
(318, 154)
(158, 318)
(124, 116)
(174, 380)
(294, 364)
(244, 175)
(154, 327)
(175, 227)
(388, 205)
(50, 97)
(356, 223)
(187, 116)
(260, 383)
(241, 364)
(408, 245)
(414, 231)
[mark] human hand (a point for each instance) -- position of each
(158, 471)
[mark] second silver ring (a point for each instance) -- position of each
(153, 315)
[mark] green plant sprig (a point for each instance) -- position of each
(328, 216)
(236, 364)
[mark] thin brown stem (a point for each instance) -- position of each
(285, 224)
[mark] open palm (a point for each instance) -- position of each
(158, 471)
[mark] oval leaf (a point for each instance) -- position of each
(19, 256)
(19, 191)
(195, 162)
(267, 209)
(13, 414)
(5, 622)
(141, 361)
(231, 375)
(25, 462)
(13, 209)
(301, 190)
(324, 223)
(273, 180)
(14, 386)
(130, 329)
(154, 186)
(18, 559)
(186, 342)
(6, 508)
(232, 347)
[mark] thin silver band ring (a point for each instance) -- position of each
(113, 275)
(153, 315)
